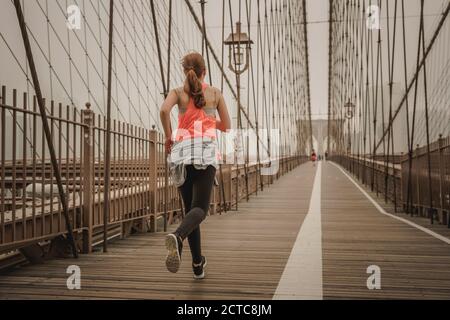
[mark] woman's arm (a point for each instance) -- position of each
(166, 108)
(224, 123)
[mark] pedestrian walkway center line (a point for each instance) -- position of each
(302, 275)
(412, 224)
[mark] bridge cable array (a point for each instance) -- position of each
(357, 94)
(127, 100)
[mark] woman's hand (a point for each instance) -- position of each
(224, 123)
(168, 145)
(219, 125)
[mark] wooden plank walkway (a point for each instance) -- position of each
(248, 251)
(413, 264)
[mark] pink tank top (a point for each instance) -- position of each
(195, 123)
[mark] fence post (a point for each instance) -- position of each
(213, 204)
(441, 177)
(88, 177)
(402, 185)
(230, 185)
(153, 179)
(418, 172)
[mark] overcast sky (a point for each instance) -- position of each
(317, 15)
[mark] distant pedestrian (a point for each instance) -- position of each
(314, 157)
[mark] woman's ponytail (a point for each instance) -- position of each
(194, 67)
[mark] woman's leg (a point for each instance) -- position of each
(195, 245)
(201, 198)
(186, 191)
(202, 185)
(174, 241)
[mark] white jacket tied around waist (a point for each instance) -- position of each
(200, 152)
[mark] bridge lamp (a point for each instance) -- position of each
(349, 110)
(349, 114)
(239, 45)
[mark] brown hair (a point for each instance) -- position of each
(194, 67)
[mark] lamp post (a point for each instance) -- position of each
(349, 114)
(239, 45)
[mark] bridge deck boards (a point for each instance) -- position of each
(413, 264)
(246, 254)
(248, 250)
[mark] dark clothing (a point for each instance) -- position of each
(196, 194)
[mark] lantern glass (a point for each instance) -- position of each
(238, 56)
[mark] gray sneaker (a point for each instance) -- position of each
(174, 247)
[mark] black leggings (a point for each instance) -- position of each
(196, 194)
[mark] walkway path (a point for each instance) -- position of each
(311, 235)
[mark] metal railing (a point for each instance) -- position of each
(409, 190)
(30, 210)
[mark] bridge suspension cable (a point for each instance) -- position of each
(373, 102)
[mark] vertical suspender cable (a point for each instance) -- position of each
(106, 195)
(158, 46)
(413, 123)
(408, 138)
(46, 128)
(161, 67)
(238, 96)
(376, 105)
(430, 190)
(166, 168)
(204, 46)
(223, 45)
(366, 103)
(330, 69)
(258, 52)
(222, 185)
(391, 83)
(169, 45)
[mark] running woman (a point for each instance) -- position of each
(193, 156)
